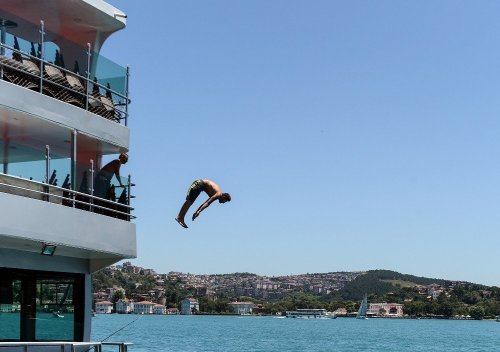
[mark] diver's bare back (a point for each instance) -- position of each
(211, 188)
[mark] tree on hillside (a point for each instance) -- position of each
(476, 312)
(442, 306)
(367, 283)
(117, 296)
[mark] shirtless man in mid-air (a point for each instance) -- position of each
(211, 188)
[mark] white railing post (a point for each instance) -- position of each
(88, 78)
(74, 136)
(47, 172)
(42, 52)
(91, 183)
(47, 164)
(126, 94)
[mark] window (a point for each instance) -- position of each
(41, 306)
(55, 310)
(10, 309)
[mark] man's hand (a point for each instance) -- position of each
(195, 215)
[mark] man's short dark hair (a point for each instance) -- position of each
(226, 196)
(124, 156)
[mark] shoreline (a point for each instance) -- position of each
(338, 316)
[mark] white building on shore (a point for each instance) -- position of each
(242, 308)
(124, 306)
(386, 309)
(104, 307)
(159, 309)
(144, 307)
(189, 306)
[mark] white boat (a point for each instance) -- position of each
(363, 308)
(57, 315)
(63, 108)
(310, 314)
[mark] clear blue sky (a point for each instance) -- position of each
(352, 135)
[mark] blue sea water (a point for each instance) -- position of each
(271, 334)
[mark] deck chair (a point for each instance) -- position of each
(14, 71)
(67, 194)
(106, 208)
(16, 76)
(109, 106)
(96, 104)
(26, 71)
(74, 81)
(66, 183)
(83, 202)
(109, 109)
(57, 84)
(53, 179)
(123, 200)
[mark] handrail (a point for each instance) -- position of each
(72, 196)
(64, 346)
(87, 93)
(35, 58)
(62, 189)
(123, 346)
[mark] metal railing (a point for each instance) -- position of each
(85, 198)
(64, 196)
(62, 346)
(122, 346)
(33, 71)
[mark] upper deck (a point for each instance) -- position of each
(52, 47)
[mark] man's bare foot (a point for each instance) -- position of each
(181, 223)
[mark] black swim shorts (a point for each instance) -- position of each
(194, 190)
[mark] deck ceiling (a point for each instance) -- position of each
(80, 21)
(27, 136)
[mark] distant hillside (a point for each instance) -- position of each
(381, 282)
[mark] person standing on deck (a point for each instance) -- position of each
(104, 176)
(211, 189)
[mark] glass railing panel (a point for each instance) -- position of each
(28, 163)
(31, 170)
(49, 52)
(9, 41)
(110, 74)
(83, 178)
(22, 161)
(24, 46)
(120, 189)
(108, 186)
(107, 80)
(112, 86)
(60, 172)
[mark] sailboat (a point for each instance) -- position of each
(363, 308)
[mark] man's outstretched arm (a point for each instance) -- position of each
(205, 205)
